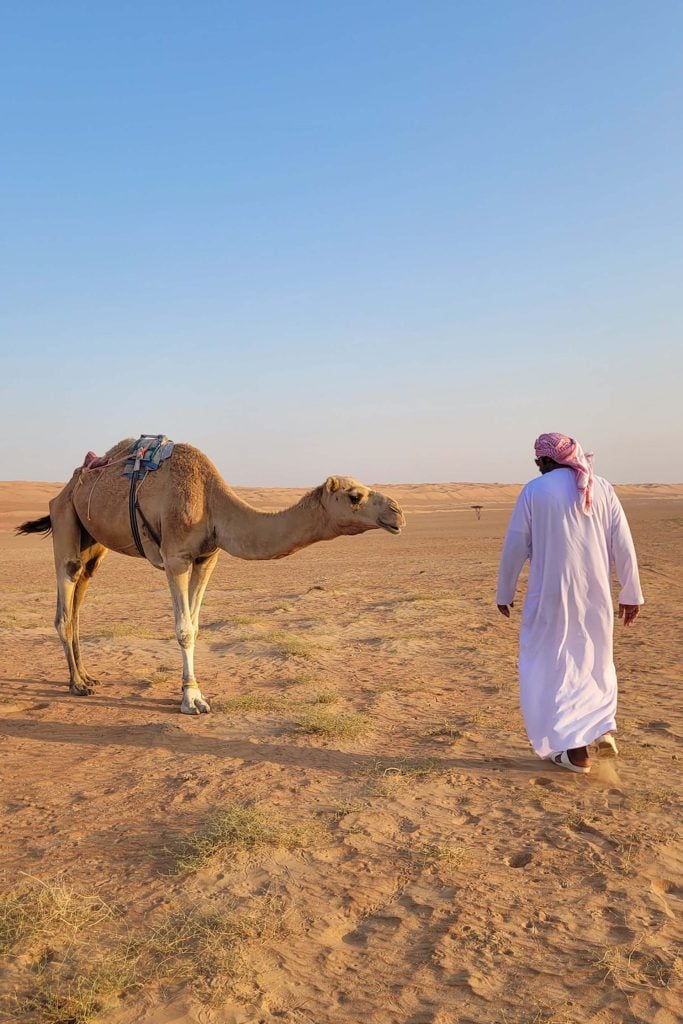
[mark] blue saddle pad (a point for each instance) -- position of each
(147, 453)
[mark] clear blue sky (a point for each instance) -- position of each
(389, 239)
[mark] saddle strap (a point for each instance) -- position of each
(132, 511)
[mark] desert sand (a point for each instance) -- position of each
(359, 832)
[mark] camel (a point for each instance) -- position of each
(188, 514)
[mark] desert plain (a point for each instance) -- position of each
(359, 832)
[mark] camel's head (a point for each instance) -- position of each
(354, 508)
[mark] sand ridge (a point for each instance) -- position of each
(426, 868)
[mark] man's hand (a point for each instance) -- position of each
(504, 609)
(629, 613)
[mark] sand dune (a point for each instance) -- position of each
(359, 831)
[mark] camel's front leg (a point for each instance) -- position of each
(201, 574)
(178, 576)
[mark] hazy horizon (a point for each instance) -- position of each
(388, 240)
(297, 485)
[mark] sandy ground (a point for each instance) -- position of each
(359, 831)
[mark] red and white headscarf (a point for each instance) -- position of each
(568, 452)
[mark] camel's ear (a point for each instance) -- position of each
(332, 484)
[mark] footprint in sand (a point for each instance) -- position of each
(665, 887)
(543, 782)
(519, 860)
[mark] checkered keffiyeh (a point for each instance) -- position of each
(568, 452)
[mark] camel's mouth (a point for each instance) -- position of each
(389, 527)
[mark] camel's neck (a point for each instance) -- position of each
(245, 532)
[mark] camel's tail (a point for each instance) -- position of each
(42, 525)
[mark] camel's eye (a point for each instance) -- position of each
(355, 498)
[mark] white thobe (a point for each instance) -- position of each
(568, 683)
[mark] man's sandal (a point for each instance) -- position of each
(607, 746)
(562, 760)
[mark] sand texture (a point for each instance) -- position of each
(359, 833)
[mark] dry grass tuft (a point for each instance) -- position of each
(61, 994)
(303, 679)
(211, 950)
(344, 807)
(628, 966)
(485, 718)
(326, 697)
(564, 1014)
(577, 821)
(49, 923)
(37, 910)
(263, 702)
(447, 855)
(162, 676)
(233, 620)
(244, 828)
(347, 725)
(649, 799)
(448, 729)
(422, 596)
(287, 645)
(384, 779)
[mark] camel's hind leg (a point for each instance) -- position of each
(91, 558)
(66, 542)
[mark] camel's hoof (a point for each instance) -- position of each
(193, 702)
(81, 689)
(90, 680)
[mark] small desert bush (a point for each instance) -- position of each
(63, 993)
(211, 950)
(244, 828)
(76, 959)
(348, 725)
(38, 910)
(51, 923)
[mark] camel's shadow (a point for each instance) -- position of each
(174, 736)
(55, 692)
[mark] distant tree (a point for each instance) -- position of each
(477, 509)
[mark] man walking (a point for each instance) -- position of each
(572, 527)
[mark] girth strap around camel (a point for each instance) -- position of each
(147, 454)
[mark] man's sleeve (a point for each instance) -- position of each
(623, 555)
(516, 550)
